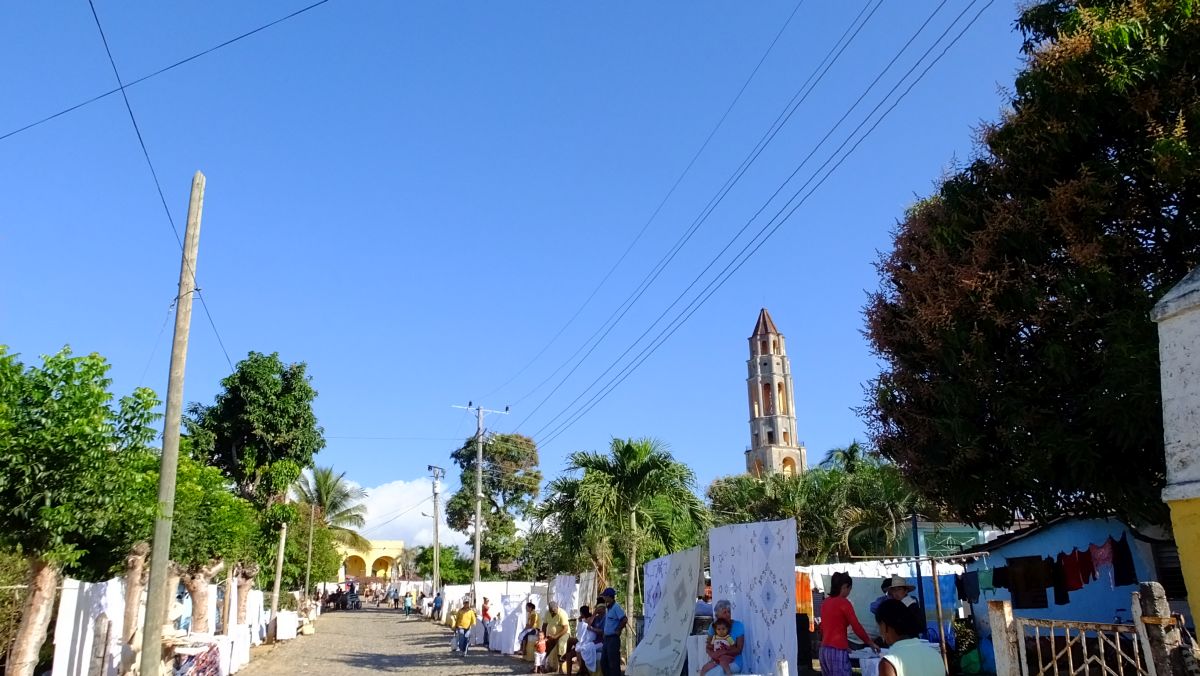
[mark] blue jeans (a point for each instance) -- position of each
(461, 635)
(612, 656)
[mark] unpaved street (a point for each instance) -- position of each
(372, 640)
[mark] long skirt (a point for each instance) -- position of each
(835, 661)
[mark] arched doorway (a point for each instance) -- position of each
(355, 567)
(383, 567)
(789, 467)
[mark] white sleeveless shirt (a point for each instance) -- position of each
(911, 657)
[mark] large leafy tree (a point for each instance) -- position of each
(568, 536)
(338, 504)
(456, 568)
(71, 495)
(511, 480)
(1020, 364)
(261, 432)
(325, 557)
(644, 495)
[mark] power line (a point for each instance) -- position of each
(162, 70)
(687, 169)
(727, 272)
(773, 130)
(154, 174)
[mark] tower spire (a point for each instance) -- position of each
(774, 446)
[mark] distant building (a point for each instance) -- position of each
(774, 446)
(383, 556)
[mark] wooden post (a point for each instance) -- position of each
(1004, 638)
(1157, 630)
(937, 603)
(160, 552)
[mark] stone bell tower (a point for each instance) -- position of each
(773, 443)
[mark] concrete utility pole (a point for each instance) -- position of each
(274, 626)
(312, 519)
(479, 413)
(156, 596)
(438, 473)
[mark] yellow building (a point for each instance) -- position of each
(1178, 318)
(381, 560)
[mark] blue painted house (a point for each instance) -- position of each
(1152, 553)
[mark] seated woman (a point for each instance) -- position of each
(908, 656)
(725, 652)
(584, 651)
(527, 641)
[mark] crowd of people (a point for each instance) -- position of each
(595, 648)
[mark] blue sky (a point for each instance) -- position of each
(414, 197)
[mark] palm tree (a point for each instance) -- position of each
(850, 458)
(578, 531)
(337, 502)
(642, 492)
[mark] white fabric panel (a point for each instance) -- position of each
(664, 648)
(753, 567)
(286, 625)
(80, 605)
(654, 578)
(587, 589)
(256, 616)
(504, 638)
(566, 594)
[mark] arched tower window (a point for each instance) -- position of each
(789, 467)
(768, 401)
(783, 402)
(770, 438)
(786, 438)
(762, 347)
(774, 347)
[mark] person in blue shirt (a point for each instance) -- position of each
(614, 624)
(737, 636)
(437, 607)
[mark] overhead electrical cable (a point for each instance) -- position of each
(162, 70)
(785, 114)
(154, 174)
(686, 170)
(781, 217)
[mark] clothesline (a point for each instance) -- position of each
(953, 558)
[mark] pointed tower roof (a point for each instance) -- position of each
(765, 325)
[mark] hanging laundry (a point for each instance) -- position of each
(1027, 581)
(1061, 597)
(1087, 569)
(804, 598)
(969, 586)
(986, 582)
(1000, 577)
(1102, 556)
(1070, 563)
(1123, 570)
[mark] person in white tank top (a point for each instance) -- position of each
(908, 655)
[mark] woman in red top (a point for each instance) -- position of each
(836, 615)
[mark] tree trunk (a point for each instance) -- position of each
(196, 580)
(631, 640)
(246, 572)
(135, 582)
(35, 618)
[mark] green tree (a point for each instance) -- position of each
(511, 480)
(325, 557)
(455, 568)
(71, 497)
(838, 513)
(338, 504)
(570, 536)
(1020, 363)
(644, 494)
(261, 432)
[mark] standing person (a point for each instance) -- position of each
(614, 624)
(437, 607)
(558, 625)
(408, 604)
(898, 588)
(462, 626)
(908, 656)
(836, 615)
(485, 616)
(735, 643)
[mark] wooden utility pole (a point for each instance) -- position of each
(437, 545)
(274, 626)
(312, 520)
(157, 595)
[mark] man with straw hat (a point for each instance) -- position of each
(897, 588)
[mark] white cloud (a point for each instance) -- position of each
(394, 512)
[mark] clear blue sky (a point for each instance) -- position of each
(413, 197)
